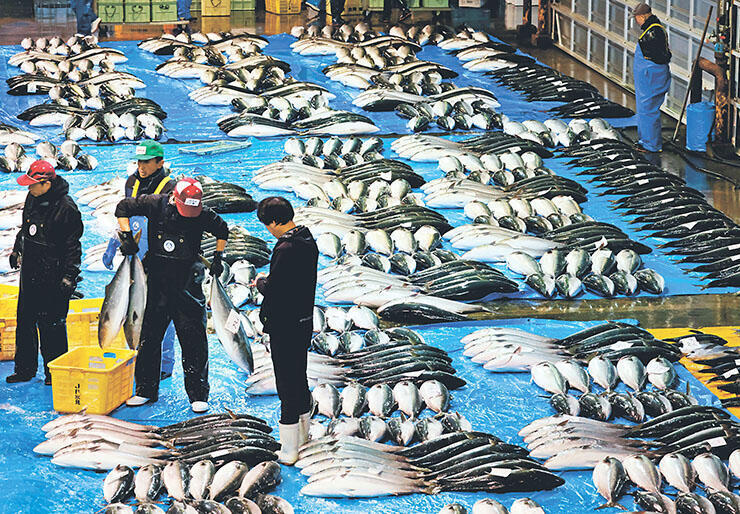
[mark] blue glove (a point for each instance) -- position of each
(110, 252)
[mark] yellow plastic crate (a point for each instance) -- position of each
(215, 7)
(283, 6)
(7, 340)
(92, 379)
(8, 300)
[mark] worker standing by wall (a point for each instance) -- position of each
(287, 315)
(150, 178)
(48, 251)
(174, 284)
(652, 77)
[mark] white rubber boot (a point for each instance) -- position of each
(304, 422)
(289, 443)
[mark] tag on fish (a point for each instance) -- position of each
(233, 322)
(689, 344)
(730, 373)
(500, 472)
(656, 367)
(621, 345)
(717, 441)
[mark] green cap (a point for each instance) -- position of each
(148, 149)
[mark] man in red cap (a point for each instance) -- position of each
(175, 274)
(47, 250)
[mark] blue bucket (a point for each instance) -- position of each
(699, 121)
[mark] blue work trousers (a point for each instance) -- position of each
(651, 85)
(85, 16)
(183, 9)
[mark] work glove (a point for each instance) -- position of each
(217, 266)
(15, 260)
(110, 253)
(128, 245)
(67, 285)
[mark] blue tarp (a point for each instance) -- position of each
(500, 404)
(188, 121)
(239, 166)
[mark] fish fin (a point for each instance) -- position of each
(231, 413)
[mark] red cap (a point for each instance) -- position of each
(38, 172)
(188, 196)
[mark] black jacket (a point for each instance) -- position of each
(163, 218)
(148, 186)
(60, 251)
(290, 288)
(654, 41)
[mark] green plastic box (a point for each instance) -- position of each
(243, 5)
(138, 11)
(164, 10)
(110, 11)
(436, 4)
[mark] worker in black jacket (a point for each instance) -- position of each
(652, 77)
(175, 274)
(150, 178)
(47, 249)
(287, 316)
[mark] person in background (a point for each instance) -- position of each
(87, 21)
(149, 179)
(402, 4)
(287, 316)
(48, 251)
(652, 77)
(174, 284)
(183, 10)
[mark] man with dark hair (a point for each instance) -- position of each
(287, 316)
(47, 250)
(174, 284)
(150, 178)
(652, 77)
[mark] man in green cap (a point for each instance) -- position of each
(149, 179)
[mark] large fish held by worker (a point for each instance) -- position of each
(228, 324)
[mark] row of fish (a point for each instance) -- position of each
(101, 442)
(570, 442)
(89, 98)
(502, 349)
(268, 102)
(630, 406)
(381, 399)
(612, 477)
(67, 157)
(560, 376)
(491, 506)
(400, 359)
(184, 483)
(665, 206)
(435, 293)
(457, 461)
(400, 430)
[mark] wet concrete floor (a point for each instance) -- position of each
(19, 19)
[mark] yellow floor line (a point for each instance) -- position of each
(729, 334)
